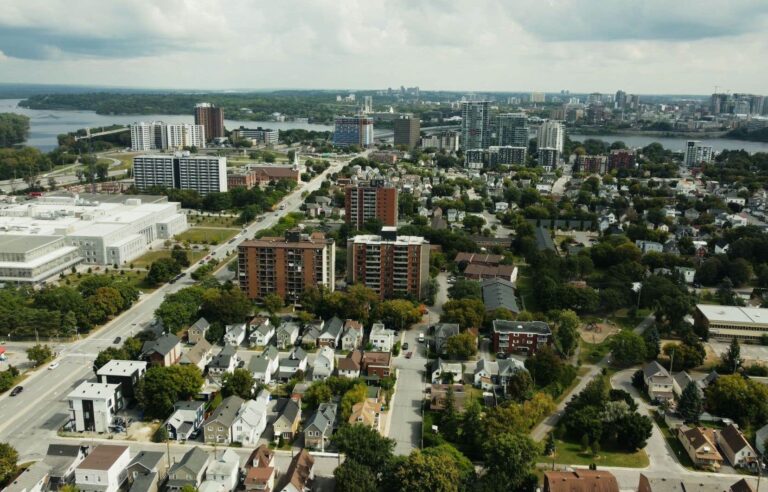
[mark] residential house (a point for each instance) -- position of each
(190, 470)
(476, 271)
(93, 406)
(688, 274)
(353, 335)
(368, 412)
(445, 370)
(300, 474)
(319, 427)
(438, 394)
(736, 448)
(325, 362)
(658, 383)
(265, 365)
(33, 478)
(691, 214)
(699, 443)
(260, 470)
(295, 362)
(217, 428)
(679, 382)
(330, 334)
(144, 471)
(260, 331)
(444, 331)
(104, 469)
(224, 470)
(376, 364)
(381, 338)
(234, 334)
(197, 331)
(186, 419)
(580, 480)
(62, 460)
(349, 366)
(163, 351)
(721, 247)
(251, 420)
(126, 373)
(499, 293)
(225, 361)
(200, 355)
(287, 422)
(697, 483)
(495, 374)
(649, 246)
(287, 334)
(520, 336)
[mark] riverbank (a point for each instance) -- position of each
(652, 133)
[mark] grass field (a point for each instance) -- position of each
(212, 221)
(570, 453)
(134, 278)
(151, 256)
(206, 235)
(592, 353)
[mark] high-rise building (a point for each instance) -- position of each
(634, 102)
(212, 119)
(475, 125)
(163, 136)
(287, 265)
(551, 135)
(353, 130)
(407, 131)
(512, 129)
(259, 136)
(622, 159)
(696, 153)
(204, 174)
(448, 141)
(373, 200)
(548, 157)
(592, 163)
(537, 97)
(389, 264)
(367, 105)
(621, 99)
(507, 155)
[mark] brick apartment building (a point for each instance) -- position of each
(286, 265)
(372, 200)
(518, 336)
(389, 264)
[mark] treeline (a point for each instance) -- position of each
(759, 135)
(13, 129)
(23, 163)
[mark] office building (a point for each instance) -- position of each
(621, 99)
(507, 155)
(551, 135)
(622, 159)
(448, 141)
(475, 125)
(93, 406)
(286, 266)
(724, 323)
(389, 264)
(407, 131)
(201, 173)
(697, 154)
(211, 118)
(375, 199)
(353, 130)
(258, 136)
(520, 336)
(43, 237)
(512, 130)
(163, 136)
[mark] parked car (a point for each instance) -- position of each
(117, 340)
(501, 355)
(405, 346)
(53, 366)
(409, 355)
(18, 389)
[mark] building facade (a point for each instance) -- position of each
(697, 154)
(92, 406)
(518, 336)
(507, 155)
(212, 120)
(163, 136)
(259, 136)
(389, 264)
(353, 130)
(286, 266)
(204, 174)
(373, 200)
(512, 130)
(475, 125)
(551, 135)
(725, 323)
(407, 131)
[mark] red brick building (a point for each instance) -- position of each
(377, 364)
(258, 175)
(622, 159)
(373, 200)
(518, 336)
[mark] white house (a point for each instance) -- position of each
(287, 334)
(441, 368)
(225, 361)
(264, 365)
(381, 338)
(501, 206)
(93, 406)
(223, 470)
(688, 274)
(234, 334)
(353, 335)
(251, 420)
(658, 382)
(325, 361)
(296, 361)
(261, 331)
(736, 448)
(104, 469)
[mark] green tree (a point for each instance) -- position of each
(427, 473)
(225, 305)
(634, 429)
(239, 382)
(188, 488)
(108, 354)
(472, 428)
(652, 342)
(354, 395)
(468, 313)
(519, 385)
(450, 421)
(39, 354)
(509, 459)
(545, 367)
(462, 464)
(567, 334)
(163, 270)
(317, 393)
(273, 302)
(398, 313)
(9, 458)
(161, 387)
(461, 346)
(364, 445)
(465, 289)
(731, 359)
(743, 400)
(685, 356)
(628, 348)
(352, 476)
(180, 256)
(690, 406)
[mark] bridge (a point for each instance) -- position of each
(88, 133)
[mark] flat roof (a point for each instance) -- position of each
(734, 314)
(117, 367)
(376, 239)
(93, 390)
(18, 243)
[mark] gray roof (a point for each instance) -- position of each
(445, 330)
(499, 293)
(224, 358)
(508, 366)
(13, 243)
(653, 368)
(147, 460)
(163, 345)
(323, 418)
(144, 482)
(60, 457)
(506, 326)
(227, 411)
(544, 239)
(194, 460)
(290, 410)
(29, 477)
(333, 327)
(258, 364)
(201, 324)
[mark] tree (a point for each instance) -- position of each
(398, 313)
(353, 396)
(352, 476)
(519, 385)
(161, 387)
(39, 354)
(273, 302)
(239, 382)
(105, 302)
(364, 445)
(472, 429)
(180, 256)
(465, 289)
(567, 334)
(450, 421)
(634, 430)
(684, 356)
(544, 366)
(509, 459)
(8, 460)
(227, 305)
(652, 342)
(188, 488)
(731, 359)
(108, 354)
(690, 406)
(427, 473)
(317, 393)
(461, 346)
(163, 270)
(743, 400)
(628, 348)
(462, 464)
(468, 313)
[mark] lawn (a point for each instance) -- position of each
(570, 453)
(592, 353)
(150, 257)
(527, 296)
(134, 278)
(623, 319)
(212, 221)
(206, 235)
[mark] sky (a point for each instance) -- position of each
(640, 46)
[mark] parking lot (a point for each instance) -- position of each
(751, 354)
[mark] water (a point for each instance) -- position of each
(46, 124)
(678, 144)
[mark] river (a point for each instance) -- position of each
(46, 124)
(678, 144)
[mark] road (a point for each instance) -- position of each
(29, 421)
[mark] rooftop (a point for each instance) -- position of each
(117, 367)
(734, 314)
(103, 457)
(93, 391)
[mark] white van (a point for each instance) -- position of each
(421, 337)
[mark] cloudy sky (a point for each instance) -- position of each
(642, 46)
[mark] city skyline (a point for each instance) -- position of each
(680, 48)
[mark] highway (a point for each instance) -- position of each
(30, 420)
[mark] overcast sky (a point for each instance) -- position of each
(641, 46)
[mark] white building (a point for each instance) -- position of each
(93, 406)
(381, 338)
(551, 135)
(204, 174)
(222, 471)
(163, 136)
(104, 470)
(259, 136)
(696, 153)
(251, 420)
(325, 362)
